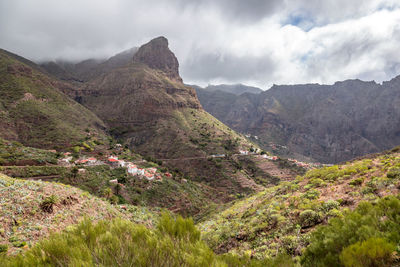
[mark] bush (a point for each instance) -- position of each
(373, 252)
(174, 242)
(357, 181)
(380, 220)
(3, 248)
(309, 218)
(393, 173)
(311, 194)
(47, 204)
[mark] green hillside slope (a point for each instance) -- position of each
(280, 219)
(34, 112)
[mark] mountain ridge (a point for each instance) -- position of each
(328, 123)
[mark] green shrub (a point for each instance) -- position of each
(309, 218)
(174, 242)
(357, 181)
(19, 244)
(380, 220)
(316, 182)
(311, 194)
(3, 248)
(330, 205)
(393, 173)
(369, 253)
(47, 204)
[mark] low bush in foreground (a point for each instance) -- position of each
(174, 242)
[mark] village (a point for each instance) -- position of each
(113, 161)
(151, 173)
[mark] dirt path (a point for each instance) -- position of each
(43, 178)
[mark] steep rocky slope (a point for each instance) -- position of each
(328, 123)
(34, 111)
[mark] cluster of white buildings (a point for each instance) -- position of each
(134, 170)
(265, 156)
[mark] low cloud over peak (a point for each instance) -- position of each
(254, 42)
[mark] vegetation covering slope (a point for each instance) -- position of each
(31, 210)
(34, 112)
(14, 153)
(175, 242)
(281, 218)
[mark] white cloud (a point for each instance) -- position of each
(258, 43)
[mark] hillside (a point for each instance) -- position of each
(31, 210)
(326, 123)
(33, 110)
(282, 219)
(171, 191)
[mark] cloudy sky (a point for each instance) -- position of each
(256, 42)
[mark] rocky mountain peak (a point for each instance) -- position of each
(157, 55)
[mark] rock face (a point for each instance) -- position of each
(328, 123)
(157, 55)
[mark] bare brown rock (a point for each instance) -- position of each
(157, 55)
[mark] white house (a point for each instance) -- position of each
(149, 176)
(132, 169)
(123, 164)
(243, 152)
(140, 171)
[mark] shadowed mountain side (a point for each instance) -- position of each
(328, 123)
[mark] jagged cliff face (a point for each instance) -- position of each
(326, 123)
(148, 88)
(156, 55)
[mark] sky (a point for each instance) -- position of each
(254, 42)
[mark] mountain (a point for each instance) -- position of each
(327, 123)
(35, 112)
(146, 105)
(236, 89)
